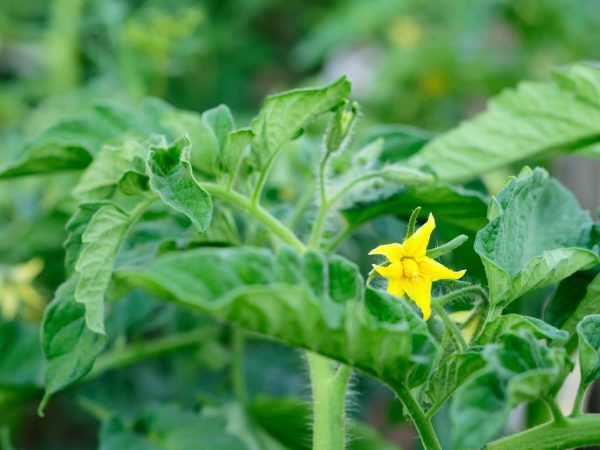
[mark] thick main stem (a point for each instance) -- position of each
(573, 432)
(420, 420)
(328, 384)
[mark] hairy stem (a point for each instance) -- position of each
(418, 417)
(328, 382)
(572, 432)
(257, 211)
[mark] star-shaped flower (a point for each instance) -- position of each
(410, 271)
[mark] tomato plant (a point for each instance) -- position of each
(183, 222)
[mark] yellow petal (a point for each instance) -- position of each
(393, 270)
(420, 291)
(433, 270)
(416, 245)
(393, 252)
(396, 286)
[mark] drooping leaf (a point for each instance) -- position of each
(588, 333)
(172, 180)
(100, 245)
(531, 120)
(284, 115)
(449, 204)
(70, 347)
(307, 302)
(575, 298)
(537, 235)
(520, 369)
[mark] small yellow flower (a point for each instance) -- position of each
(410, 271)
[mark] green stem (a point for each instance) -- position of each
(238, 341)
(557, 414)
(326, 205)
(262, 180)
(263, 216)
(328, 386)
(144, 350)
(421, 422)
(457, 336)
(581, 431)
(579, 398)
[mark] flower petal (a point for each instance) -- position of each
(393, 270)
(393, 252)
(420, 291)
(416, 245)
(396, 286)
(430, 268)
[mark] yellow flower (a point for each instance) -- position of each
(410, 271)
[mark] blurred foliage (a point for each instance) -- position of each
(426, 63)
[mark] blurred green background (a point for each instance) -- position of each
(424, 63)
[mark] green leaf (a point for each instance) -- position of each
(75, 227)
(70, 347)
(588, 334)
(20, 355)
(100, 178)
(172, 428)
(305, 301)
(220, 122)
(71, 144)
(451, 373)
(172, 179)
(449, 204)
(340, 127)
(531, 120)
(400, 141)
(520, 369)
(537, 235)
(513, 322)
(479, 410)
(100, 244)
(575, 298)
(234, 149)
(284, 115)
